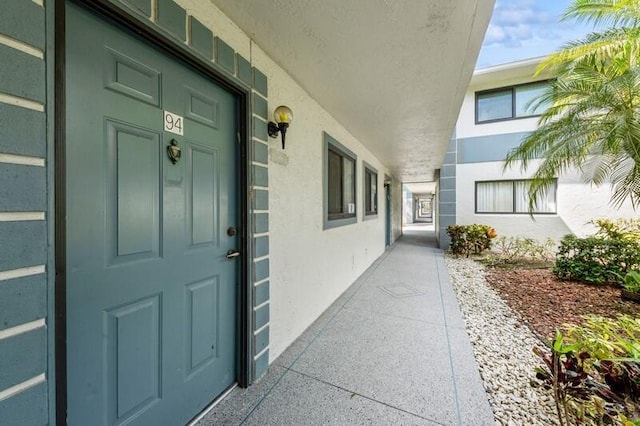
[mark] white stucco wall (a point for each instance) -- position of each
(578, 203)
(309, 267)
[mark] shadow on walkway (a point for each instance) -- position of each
(391, 350)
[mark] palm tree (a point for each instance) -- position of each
(592, 122)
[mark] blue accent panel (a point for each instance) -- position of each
(261, 223)
(260, 129)
(261, 317)
(452, 145)
(261, 246)
(23, 357)
(261, 270)
(23, 244)
(260, 106)
(225, 55)
(260, 176)
(447, 196)
(261, 200)
(261, 340)
(450, 158)
(201, 38)
(21, 74)
(448, 170)
(24, 21)
(23, 188)
(172, 18)
(261, 365)
(140, 6)
(488, 148)
(31, 292)
(260, 152)
(447, 208)
(448, 183)
(260, 82)
(23, 131)
(244, 69)
(26, 408)
(261, 293)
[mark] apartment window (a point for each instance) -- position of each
(509, 103)
(370, 191)
(340, 184)
(511, 196)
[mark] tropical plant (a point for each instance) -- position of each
(593, 371)
(631, 281)
(592, 120)
(520, 250)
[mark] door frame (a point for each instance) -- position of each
(172, 49)
(387, 208)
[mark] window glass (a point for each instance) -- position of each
(512, 197)
(525, 94)
(494, 197)
(349, 186)
(546, 203)
(339, 185)
(370, 192)
(494, 105)
(335, 182)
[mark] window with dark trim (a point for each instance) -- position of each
(509, 103)
(512, 196)
(340, 184)
(370, 191)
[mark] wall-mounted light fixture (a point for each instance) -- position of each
(283, 117)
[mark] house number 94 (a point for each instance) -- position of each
(173, 123)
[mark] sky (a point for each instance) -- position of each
(523, 29)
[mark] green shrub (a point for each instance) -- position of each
(470, 239)
(596, 260)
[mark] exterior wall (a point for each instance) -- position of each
(310, 267)
(506, 224)
(303, 269)
(446, 194)
(396, 210)
(25, 264)
(480, 150)
(298, 269)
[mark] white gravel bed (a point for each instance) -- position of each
(503, 349)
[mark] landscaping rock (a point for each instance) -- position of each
(503, 349)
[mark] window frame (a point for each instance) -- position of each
(342, 219)
(513, 102)
(513, 197)
(369, 169)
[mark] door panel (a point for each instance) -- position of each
(151, 297)
(203, 195)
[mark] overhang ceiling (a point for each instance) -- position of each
(392, 72)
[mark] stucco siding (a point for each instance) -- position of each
(23, 214)
(308, 267)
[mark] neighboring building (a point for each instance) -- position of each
(156, 245)
(494, 118)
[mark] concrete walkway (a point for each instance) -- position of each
(392, 350)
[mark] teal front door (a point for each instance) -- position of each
(151, 294)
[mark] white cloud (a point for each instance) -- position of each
(516, 21)
(522, 29)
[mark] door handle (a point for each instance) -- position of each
(232, 253)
